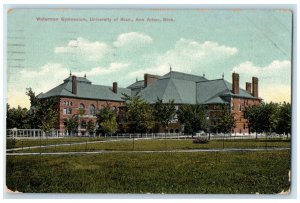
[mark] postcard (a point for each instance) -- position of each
(149, 101)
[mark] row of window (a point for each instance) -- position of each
(92, 110)
(67, 103)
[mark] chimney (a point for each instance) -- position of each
(148, 79)
(115, 87)
(74, 84)
(248, 87)
(235, 83)
(255, 86)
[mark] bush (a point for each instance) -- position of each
(201, 140)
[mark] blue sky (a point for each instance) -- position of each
(250, 42)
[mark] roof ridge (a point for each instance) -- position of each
(176, 90)
(209, 80)
(226, 85)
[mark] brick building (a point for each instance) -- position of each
(79, 92)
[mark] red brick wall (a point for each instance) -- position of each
(86, 102)
(241, 122)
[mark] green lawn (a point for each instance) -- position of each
(183, 173)
(142, 145)
(48, 141)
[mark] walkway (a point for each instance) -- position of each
(152, 151)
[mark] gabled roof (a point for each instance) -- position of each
(170, 89)
(79, 79)
(137, 84)
(184, 76)
(85, 89)
(190, 89)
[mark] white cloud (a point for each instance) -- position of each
(132, 38)
(274, 68)
(93, 51)
(188, 56)
(274, 79)
(55, 70)
(98, 71)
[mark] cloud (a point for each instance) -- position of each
(274, 79)
(275, 68)
(189, 55)
(132, 38)
(99, 71)
(55, 70)
(92, 51)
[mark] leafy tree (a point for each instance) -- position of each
(138, 114)
(71, 124)
(226, 120)
(106, 119)
(43, 112)
(164, 113)
(90, 127)
(17, 118)
(251, 113)
(193, 117)
(262, 118)
(284, 119)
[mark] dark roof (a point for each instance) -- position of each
(181, 87)
(184, 76)
(190, 89)
(85, 89)
(137, 84)
(79, 79)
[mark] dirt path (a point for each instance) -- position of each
(152, 151)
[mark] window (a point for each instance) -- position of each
(81, 106)
(83, 125)
(67, 103)
(114, 108)
(92, 110)
(67, 111)
(232, 107)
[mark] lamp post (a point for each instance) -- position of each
(208, 127)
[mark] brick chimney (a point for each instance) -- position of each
(248, 87)
(148, 79)
(115, 87)
(235, 83)
(74, 84)
(255, 86)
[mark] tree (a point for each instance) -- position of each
(262, 118)
(284, 119)
(106, 119)
(43, 112)
(71, 124)
(164, 113)
(90, 127)
(138, 114)
(226, 120)
(17, 118)
(193, 117)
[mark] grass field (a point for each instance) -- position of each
(37, 142)
(156, 145)
(183, 173)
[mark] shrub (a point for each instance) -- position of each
(201, 140)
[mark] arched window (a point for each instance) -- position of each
(114, 108)
(81, 106)
(81, 109)
(92, 110)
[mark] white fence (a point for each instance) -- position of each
(38, 133)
